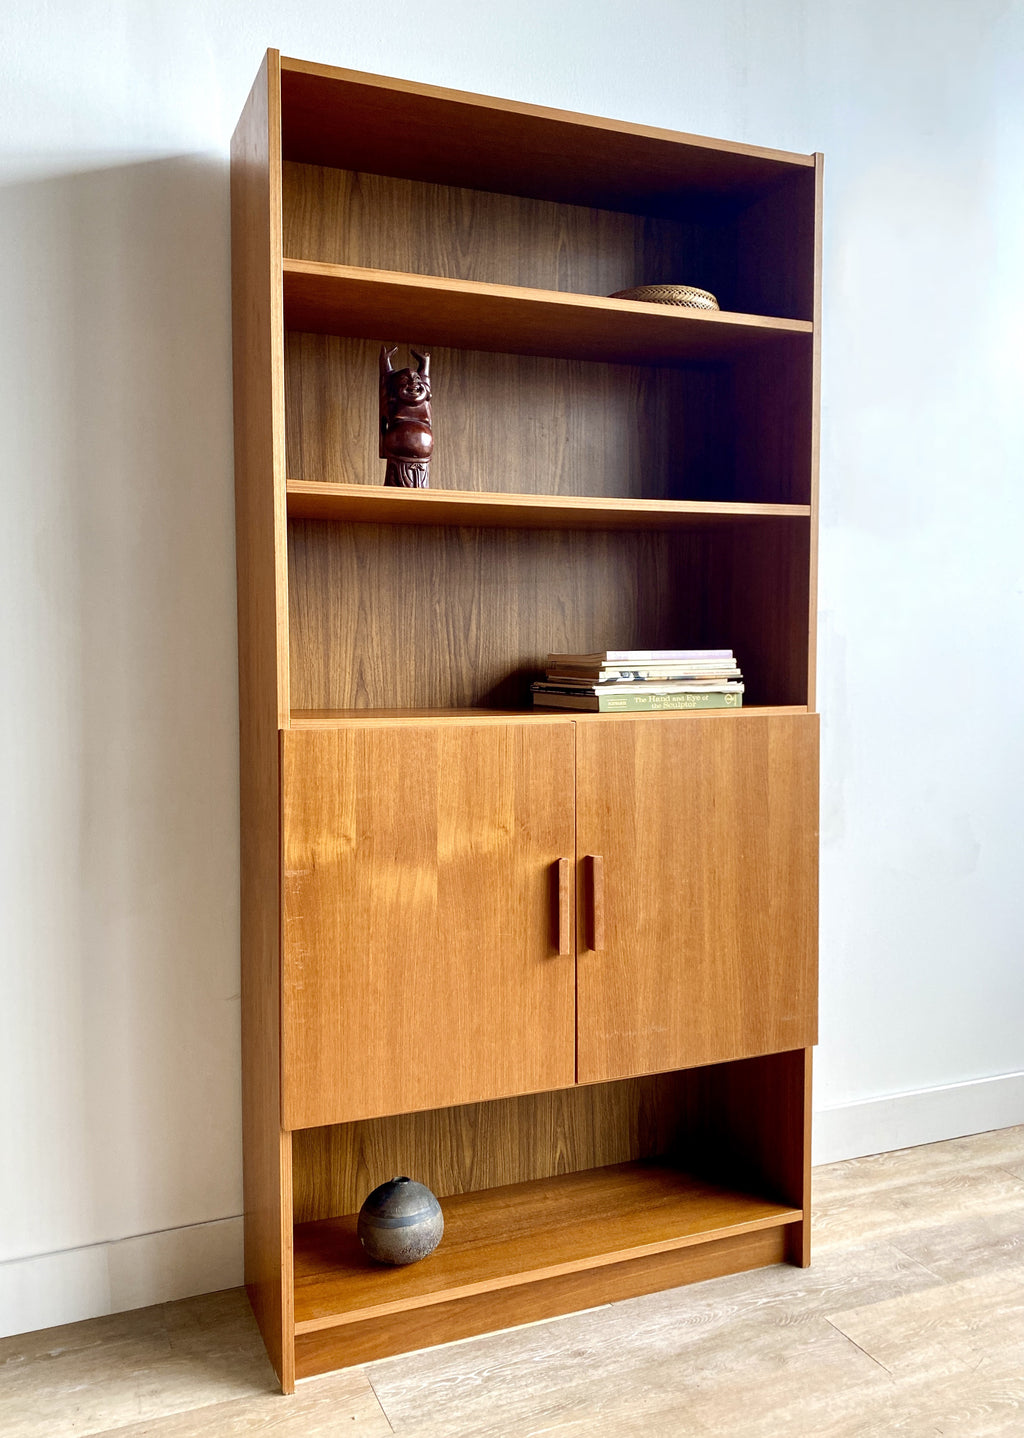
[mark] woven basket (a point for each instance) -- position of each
(684, 295)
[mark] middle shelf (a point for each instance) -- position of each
(373, 504)
(370, 304)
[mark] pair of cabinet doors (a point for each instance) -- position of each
(479, 908)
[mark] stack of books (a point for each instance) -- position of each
(633, 680)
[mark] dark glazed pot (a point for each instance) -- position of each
(400, 1222)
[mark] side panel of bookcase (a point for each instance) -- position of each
(263, 696)
(749, 1125)
(815, 436)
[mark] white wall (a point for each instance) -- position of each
(119, 1034)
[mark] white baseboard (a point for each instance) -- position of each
(904, 1120)
(102, 1278)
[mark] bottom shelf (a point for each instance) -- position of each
(522, 1234)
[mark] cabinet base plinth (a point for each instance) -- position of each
(331, 1348)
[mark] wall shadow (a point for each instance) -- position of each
(122, 708)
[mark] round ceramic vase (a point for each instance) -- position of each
(400, 1222)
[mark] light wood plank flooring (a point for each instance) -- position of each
(910, 1322)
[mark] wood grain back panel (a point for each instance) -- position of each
(417, 616)
(772, 403)
(755, 259)
(421, 963)
(347, 218)
(709, 838)
(759, 605)
(527, 425)
(486, 1145)
(742, 1124)
(748, 1124)
(773, 245)
(422, 617)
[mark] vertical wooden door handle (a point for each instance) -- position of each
(595, 864)
(564, 914)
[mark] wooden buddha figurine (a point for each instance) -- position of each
(406, 441)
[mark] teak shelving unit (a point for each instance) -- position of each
(560, 967)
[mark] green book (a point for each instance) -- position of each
(638, 703)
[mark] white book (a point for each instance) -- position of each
(640, 656)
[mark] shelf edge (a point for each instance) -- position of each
(322, 499)
(480, 289)
(780, 1219)
(733, 149)
(313, 720)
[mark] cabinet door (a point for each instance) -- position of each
(705, 830)
(422, 915)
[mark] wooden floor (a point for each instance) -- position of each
(910, 1322)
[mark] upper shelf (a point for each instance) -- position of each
(373, 504)
(355, 121)
(464, 314)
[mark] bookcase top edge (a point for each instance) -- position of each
(522, 116)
